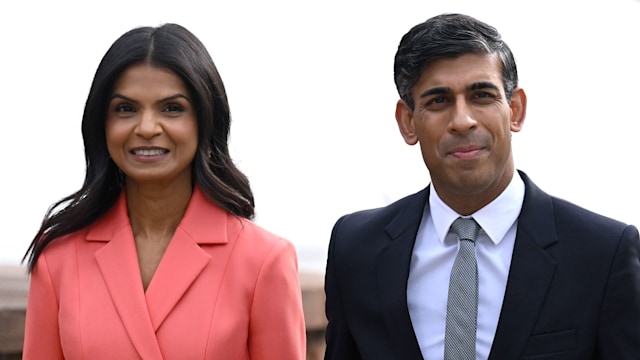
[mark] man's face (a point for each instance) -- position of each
(463, 123)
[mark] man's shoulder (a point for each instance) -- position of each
(568, 212)
(565, 213)
(381, 216)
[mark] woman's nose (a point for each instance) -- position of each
(148, 125)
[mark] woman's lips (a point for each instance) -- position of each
(149, 152)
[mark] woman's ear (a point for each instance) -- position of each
(404, 118)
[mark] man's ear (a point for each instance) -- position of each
(518, 107)
(404, 118)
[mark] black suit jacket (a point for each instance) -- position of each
(573, 290)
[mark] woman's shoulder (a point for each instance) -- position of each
(61, 254)
(258, 235)
(64, 243)
(256, 244)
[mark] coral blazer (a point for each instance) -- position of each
(225, 289)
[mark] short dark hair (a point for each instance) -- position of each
(172, 47)
(449, 36)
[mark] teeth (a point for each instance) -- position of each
(145, 152)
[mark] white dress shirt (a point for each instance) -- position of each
(433, 255)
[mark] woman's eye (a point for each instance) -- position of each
(124, 108)
(173, 108)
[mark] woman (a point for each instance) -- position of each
(155, 257)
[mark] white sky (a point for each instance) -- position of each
(312, 98)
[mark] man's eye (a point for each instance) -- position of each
(437, 103)
(483, 94)
(439, 100)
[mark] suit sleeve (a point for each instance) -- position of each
(277, 328)
(619, 329)
(42, 337)
(340, 343)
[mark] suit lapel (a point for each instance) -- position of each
(530, 275)
(392, 266)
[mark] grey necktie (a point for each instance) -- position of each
(462, 303)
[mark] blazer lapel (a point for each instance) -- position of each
(181, 264)
(118, 264)
(143, 313)
(184, 260)
(393, 264)
(530, 275)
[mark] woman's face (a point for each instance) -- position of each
(151, 126)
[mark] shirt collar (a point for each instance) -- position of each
(496, 218)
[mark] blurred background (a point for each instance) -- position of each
(311, 89)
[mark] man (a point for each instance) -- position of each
(529, 276)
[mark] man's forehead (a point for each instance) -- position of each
(462, 72)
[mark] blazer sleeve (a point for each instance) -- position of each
(42, 337)
(340, 343)
(619, 330)
(277, 328)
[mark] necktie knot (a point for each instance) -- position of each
(466, 229)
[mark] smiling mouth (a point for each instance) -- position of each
(149, 152)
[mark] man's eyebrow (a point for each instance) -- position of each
(435, 91)
(483, 85)
(439, 90)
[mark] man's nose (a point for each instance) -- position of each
(462, 119)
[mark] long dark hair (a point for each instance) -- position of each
(173, 47)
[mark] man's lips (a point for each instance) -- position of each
(465, 152)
